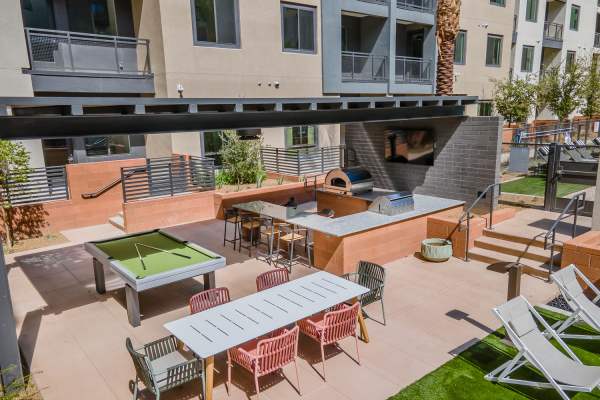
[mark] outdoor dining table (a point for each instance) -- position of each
(229, 325)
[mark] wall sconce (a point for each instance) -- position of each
(180, 90)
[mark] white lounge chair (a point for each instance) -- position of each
(563, 373)
(583, 308)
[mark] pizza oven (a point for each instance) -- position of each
(349, 181)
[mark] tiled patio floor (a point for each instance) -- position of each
(74, 338)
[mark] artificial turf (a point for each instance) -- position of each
(462, 377)
(536, 186)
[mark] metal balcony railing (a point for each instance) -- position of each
(363, 67)
(414, 70)
(63, 51)
(553, 31)
(597, 40)
(416, 5)
(383, 2)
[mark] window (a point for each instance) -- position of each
(300, 136)
(484, 109)
(107, 145)
(493, 56)
(527, 59)
(38, 14)
(212, 145)
(460, 48)
(571, 58)
(92, 16)
(298, 28)
(499, 3)
(216, 22)
(574, 21)
(531, 10)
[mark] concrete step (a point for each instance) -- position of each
(493, 257)
(513, 249)
(532, 241)
(117, 221)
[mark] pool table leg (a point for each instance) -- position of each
(133, 306)
(99, 277)
(209, 280)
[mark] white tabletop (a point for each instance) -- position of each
(223, 327)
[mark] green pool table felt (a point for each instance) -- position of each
(156, 262)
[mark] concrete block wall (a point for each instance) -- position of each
(467, 156)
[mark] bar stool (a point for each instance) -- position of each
(269, 232)
(250, 223)
(290, 235)
(232, 217)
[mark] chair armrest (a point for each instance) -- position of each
(181, 372)
(242, 357)
(160, 347)
(351, 276)
(309, 328)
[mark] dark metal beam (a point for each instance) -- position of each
(54, 126)
(10, 358)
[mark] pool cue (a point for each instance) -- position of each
(140, 256)
(165, 251)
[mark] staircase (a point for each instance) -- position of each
(501, 247)
(118, 221)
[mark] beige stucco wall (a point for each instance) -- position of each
(479, 19)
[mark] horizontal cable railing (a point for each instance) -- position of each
(64, 51)
(302, 161)
(364, 67)
(167, 177)
(553, 31)
(414, 70)
(597, 40)
(37, 185)
(417, 5)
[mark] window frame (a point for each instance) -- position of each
(464, 58)
(237, 45)
(537, 10)
(528, 47)
(501, 37)
(578, 8)
(298, 7)
(300, 146)
(568, 61)
(488, 105)
(108, 152)
(498, 3)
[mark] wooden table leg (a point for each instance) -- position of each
(209, 366)
(364, 333)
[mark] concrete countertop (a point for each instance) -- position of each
(354, 223)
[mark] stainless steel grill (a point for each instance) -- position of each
(349, 181)
(393, 203)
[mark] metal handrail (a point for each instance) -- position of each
(110, 185)
(44, 43)
(553, 31)
(551, 233)
(467, 214)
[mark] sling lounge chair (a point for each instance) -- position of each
(582, 149)
(583, 308)
(571, 150)
(563, 372)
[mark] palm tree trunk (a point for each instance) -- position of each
(447, 26)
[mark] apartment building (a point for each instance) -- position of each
(483, 49)
(211, 49)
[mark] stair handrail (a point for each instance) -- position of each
(467, 214)
(551, 233)
(110, 185)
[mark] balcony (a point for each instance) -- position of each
(63, 61)
(553, 35)
(364, 67)
(382, 2)
(597, 40)
(416, 5)
(414, 70)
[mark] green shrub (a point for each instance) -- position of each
(241, 160)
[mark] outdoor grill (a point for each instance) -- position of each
(349, 181)
(393, 203)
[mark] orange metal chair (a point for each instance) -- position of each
(208, 299)
(331, 327)
(264, 356)
(272, 278)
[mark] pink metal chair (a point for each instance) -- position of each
(264, 356)
(331, 327)
(208, 299)
(272, 278)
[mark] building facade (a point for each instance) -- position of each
(211, 49)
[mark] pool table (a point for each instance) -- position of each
(146, 260)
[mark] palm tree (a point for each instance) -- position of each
(448, 19)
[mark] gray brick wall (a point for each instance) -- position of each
(467, 156)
